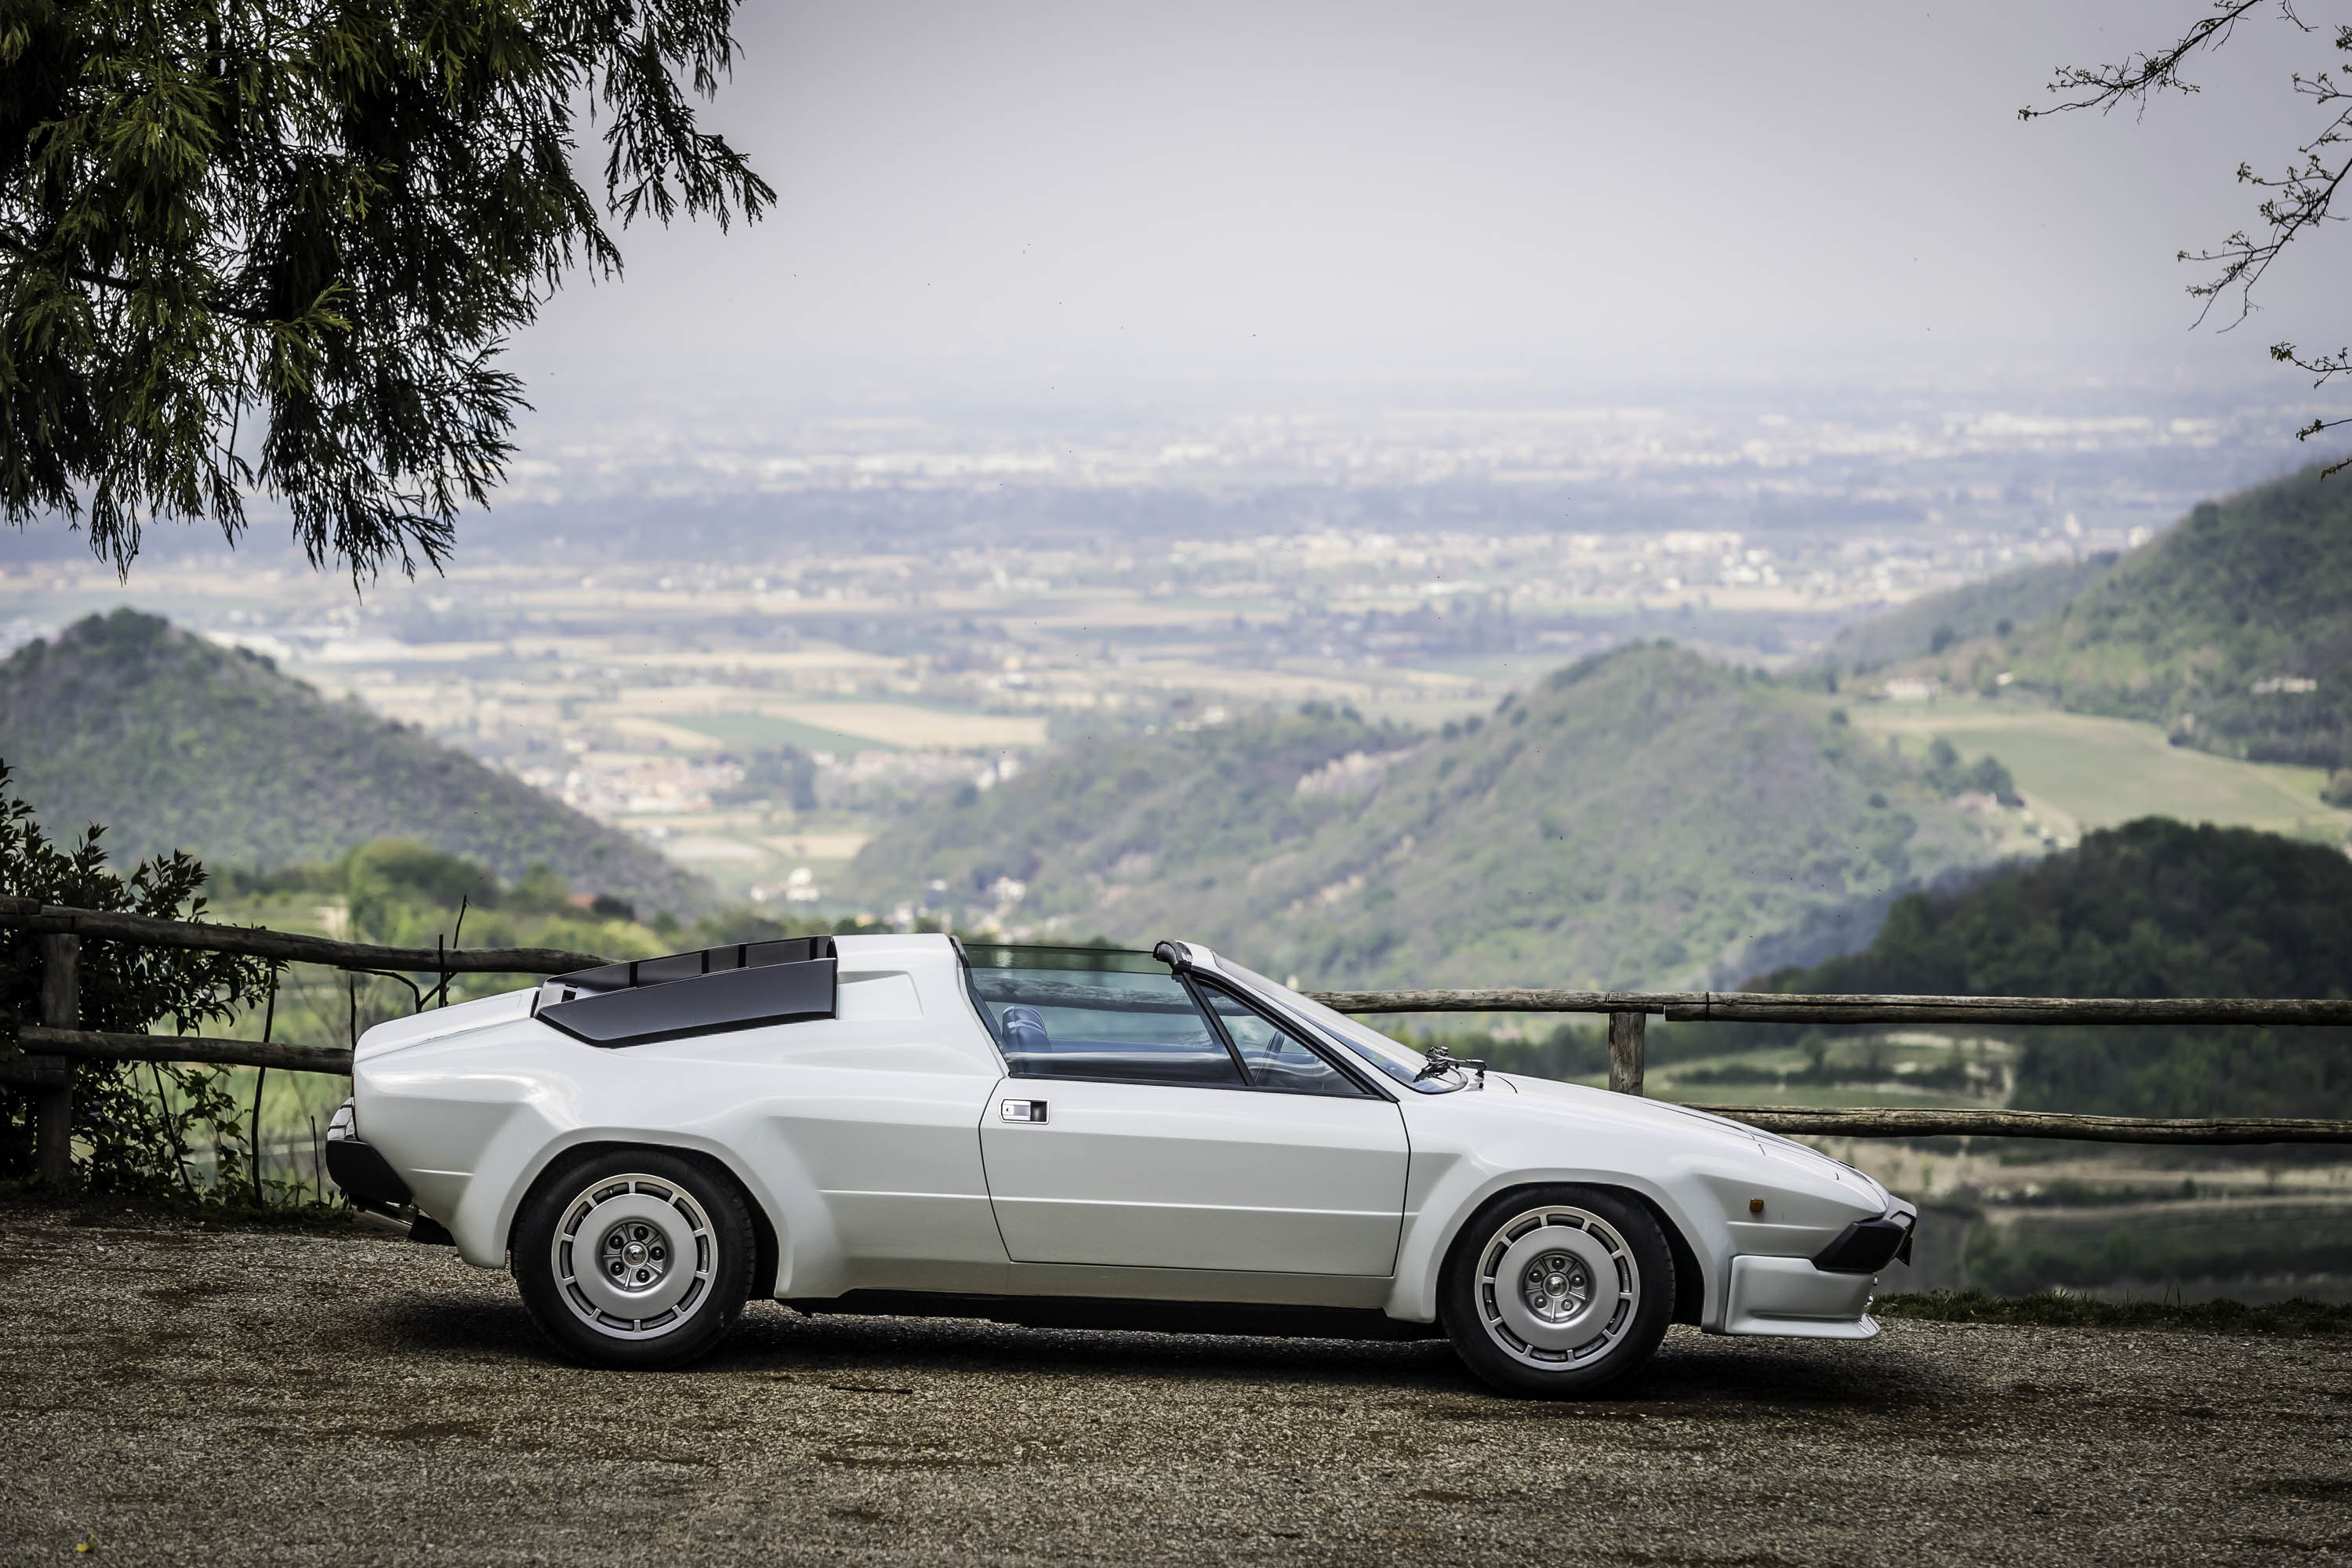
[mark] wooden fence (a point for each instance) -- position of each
(51, 1045)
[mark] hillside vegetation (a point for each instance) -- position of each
(2235, 629)
(403, 894)
(1994, 608)
(2231, 629)
(176, 743)
(1641, 818)
(2151, 909)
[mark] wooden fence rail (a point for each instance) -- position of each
(51, 1046)
(210, 1050)
(1903, 1121)
(1773, 1007)
(289, 947)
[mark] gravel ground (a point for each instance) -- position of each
(175, 1394)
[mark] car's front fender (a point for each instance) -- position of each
(1697, 1172)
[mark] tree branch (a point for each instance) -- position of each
(2140, 75)
(16, 246)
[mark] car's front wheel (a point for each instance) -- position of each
(1557, 1292)
(633, 1258)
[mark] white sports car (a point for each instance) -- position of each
(908, 1124)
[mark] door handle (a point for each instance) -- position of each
(1023, 1111)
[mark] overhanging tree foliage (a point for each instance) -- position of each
(276, 246)
(2297, 196)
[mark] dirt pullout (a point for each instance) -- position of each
(176, 1395)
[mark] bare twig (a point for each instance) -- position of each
(164, 1110)
(413, 990)
(2104, 88)
(2294, 202)
(260, 1077)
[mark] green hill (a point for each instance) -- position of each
(1994, 608)
(2151, 908)
(176, 743)
(2231, 629)
(2235, 629)
(1639, 818)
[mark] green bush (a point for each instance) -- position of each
(134, 1124)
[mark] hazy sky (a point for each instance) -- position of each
(1125, 201)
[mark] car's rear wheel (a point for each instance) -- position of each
(633, 1258)
(1557, 1292)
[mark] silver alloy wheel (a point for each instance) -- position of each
(633, 1257)
(1556, 1287)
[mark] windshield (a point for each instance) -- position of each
(1398, 1061)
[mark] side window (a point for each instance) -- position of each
(1102, 1024)
(1275, 1059)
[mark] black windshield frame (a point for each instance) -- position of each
(1202, 985)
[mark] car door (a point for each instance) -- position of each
(1134, 1130)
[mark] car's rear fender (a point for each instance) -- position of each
(767, 1265)
(471, 1130)
(528, 1147)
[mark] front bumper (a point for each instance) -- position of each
(1826, 1296)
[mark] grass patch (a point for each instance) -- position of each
(2051, 1308)
(2101, 772)
(111, 1210)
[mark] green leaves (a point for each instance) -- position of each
(253, 248)
(2154, 907)
(130, 1141)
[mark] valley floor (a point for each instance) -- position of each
(181, 1394)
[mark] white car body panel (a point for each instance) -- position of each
(1162, 1176)
(1768, 1292)
(1696, 1170)
(873, 1145)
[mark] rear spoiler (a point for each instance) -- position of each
(710, 990)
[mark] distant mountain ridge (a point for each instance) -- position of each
(174, 742)
(1644, 817)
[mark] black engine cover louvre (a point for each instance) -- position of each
(704, 1004)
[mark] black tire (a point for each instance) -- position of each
(667, 1233)
(1595, 1290)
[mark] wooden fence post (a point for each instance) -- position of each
(1627, 1040)
(60, 1009)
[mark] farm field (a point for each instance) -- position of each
(749, 723)
(2078, 771)
(767, 731)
